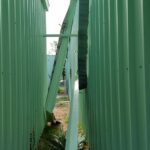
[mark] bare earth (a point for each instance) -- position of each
(61, 112)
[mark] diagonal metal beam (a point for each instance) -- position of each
(60, 57)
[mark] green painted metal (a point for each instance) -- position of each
(113, 110)
(46, 4)
(72, 132)
(72, 85)
(83, 39)
(117, 97)
(50, 63)
(23, 73)
(60, 56)
(82, 111)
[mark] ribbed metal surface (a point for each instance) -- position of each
(50, 59)
(23, 73)
(71, 76)
(118, 75)
(83, 27)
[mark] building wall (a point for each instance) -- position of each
(23, 73)
(118, 107)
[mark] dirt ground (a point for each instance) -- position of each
(53, 136)
(61, 111)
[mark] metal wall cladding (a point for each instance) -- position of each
(72, 84)
(82, 38)
(50, 63)
(118, 75)
(23, 73)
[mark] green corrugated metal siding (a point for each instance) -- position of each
(50, 63)
(82, 61)
(83, 27)
(83, 118)
(23, 73)
(118, 75)
(71, 71)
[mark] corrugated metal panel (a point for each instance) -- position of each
(46, 4)
(50, 59)
(82, 111)
(71, 75)
(83, 27)
(118, 75)
(23, 73)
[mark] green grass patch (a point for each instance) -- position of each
(61, 90)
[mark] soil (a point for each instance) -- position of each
(61, 111)
(54, 136)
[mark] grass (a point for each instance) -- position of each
(67, 119)
(61, 90)
(62, 98)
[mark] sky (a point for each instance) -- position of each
(54, 19)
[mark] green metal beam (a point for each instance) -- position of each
(61, 57)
